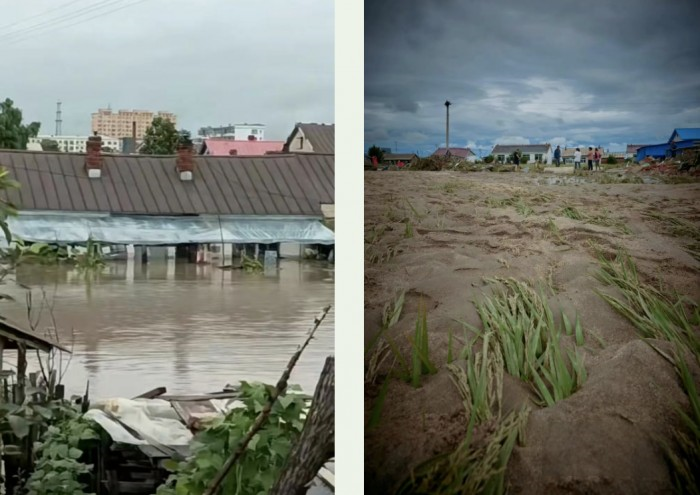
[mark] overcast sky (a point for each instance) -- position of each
(565, 72)
(211, 62)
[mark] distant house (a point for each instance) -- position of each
(631, 151)
(531, 153)
(681, 138)
(657, 151)
(311, 138)
(227, 147)
(394, 158)
(463, 153)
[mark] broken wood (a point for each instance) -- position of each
(316, 446)
(152, 394)
(265, 413)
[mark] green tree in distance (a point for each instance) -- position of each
(14, 135)
(376, 151)
(50, 145)
(162, 138)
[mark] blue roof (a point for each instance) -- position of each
(686, 133)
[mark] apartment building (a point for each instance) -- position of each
(121, 123)
(78, 144)
(236, 132)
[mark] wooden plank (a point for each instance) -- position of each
(152, 394)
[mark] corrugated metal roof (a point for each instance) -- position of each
(294, 184)
(686, 133)
(224, 147)
(525, 148)
(321, 137)
(458, 152)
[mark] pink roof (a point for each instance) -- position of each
(224, 147)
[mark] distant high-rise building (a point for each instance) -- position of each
(237, 132)
(121, 124)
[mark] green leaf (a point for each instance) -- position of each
(285, 400)
(253, 442)
(43, 411)
(19, 425)
(74, 453)
(171, 465)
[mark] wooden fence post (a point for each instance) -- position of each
(316, 445)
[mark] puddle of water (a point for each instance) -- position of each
(190, 328)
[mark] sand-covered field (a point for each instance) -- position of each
(436, 237)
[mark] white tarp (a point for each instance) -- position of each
(154, 420)
(145, 230)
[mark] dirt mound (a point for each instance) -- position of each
(605, 439)
(430, 421)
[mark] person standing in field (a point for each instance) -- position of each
(577, 159)
(596, 159)
(516, 158)
(590, 157)
(557, 155)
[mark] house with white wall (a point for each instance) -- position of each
(530, 153)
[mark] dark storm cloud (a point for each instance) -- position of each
(211, 63)
(545, 70)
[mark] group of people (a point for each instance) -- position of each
(593, 158)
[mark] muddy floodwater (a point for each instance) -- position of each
(190, 328)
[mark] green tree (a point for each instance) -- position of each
(376, 151)
(488, 159)
(14, 135)
(162, 138)
(50, 145)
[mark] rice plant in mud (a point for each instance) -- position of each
(420, 350)
(477, 466)
(530, 340)
(480, 380)
(654, 313)
(684, 459)
(679, 227)
(572, 212)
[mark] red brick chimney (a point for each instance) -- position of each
(93, 158)
(185, 162)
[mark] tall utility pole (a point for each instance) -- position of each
(58, 119)
(447, 128)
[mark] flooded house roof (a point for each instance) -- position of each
(13, 335)
(321, 137)
(281, 185)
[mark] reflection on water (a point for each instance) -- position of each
(190, 328)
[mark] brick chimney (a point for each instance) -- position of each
(185, 162)
(93, 158)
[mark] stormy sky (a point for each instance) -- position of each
(606, 73)
(210, 62)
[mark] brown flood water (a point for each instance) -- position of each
(190, 328)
